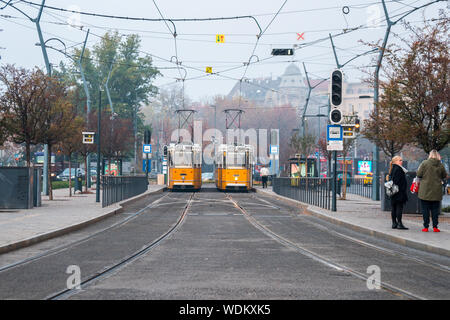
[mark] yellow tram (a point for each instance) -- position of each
(234, 167)
(184, 162)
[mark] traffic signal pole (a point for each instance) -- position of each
(97, 191)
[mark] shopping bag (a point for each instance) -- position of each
(415, 185)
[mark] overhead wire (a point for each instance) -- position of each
(257, 43)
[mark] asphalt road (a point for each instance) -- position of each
(231, 246)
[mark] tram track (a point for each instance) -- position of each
(109, 270)
(63, 247)
(319, 258)
(436, 266)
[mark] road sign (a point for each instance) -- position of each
(145, 164)
(220, 38)
(147, 148)
(334, 132)
(282, 52)
(336, 145)
(349, 131)
(88, 137)
(208, 69)
(273, 149)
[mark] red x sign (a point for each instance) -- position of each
(300, 36)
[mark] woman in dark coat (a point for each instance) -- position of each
(398, 175)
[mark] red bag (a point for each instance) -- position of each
(415, 185)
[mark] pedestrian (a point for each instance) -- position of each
(431, 173)
(398, 175)
(264, 176)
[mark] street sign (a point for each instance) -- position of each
(208, 69)
(145, 164)
(273, 149)
(336, 145)
(349, 131)
(147, 148)
(334, 132)
(220, 38)
(88, 137)
(282, 52)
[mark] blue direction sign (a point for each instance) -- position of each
(334, 132)
(147, 148)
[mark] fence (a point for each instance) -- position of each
(359, 186)
(314, 191)
(119, 188)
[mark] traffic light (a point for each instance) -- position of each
(147, 136)
(282, 52)
(357, 125)
(165, 151)
(335, 116)
(336, 96)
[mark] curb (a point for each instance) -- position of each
(118, 208)
(405, 242)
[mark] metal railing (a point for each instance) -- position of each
(359, 186)
(314, 191)
(119, 188)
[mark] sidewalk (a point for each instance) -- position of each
(365, 215)
(23, 227)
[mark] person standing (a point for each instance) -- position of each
(264, 176)
(398, 175)
(431, 173)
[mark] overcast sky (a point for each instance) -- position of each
(195, 46)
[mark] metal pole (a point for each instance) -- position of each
(49, 73)
(97, 193)
(333, 202)
(88, 103)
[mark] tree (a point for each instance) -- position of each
(322, 143)
(383, 127)
(71, 143)
(3, 135)
(22, 104)
(58, 115)
(131, 75)
(418, 85)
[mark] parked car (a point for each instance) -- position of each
(64, 176)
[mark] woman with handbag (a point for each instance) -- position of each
(398, 176)
(431, 173)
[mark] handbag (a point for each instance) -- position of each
(391, 188)
(415, 185)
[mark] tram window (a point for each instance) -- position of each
(183, 159)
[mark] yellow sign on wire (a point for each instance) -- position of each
(208, 69)
(220, 38)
